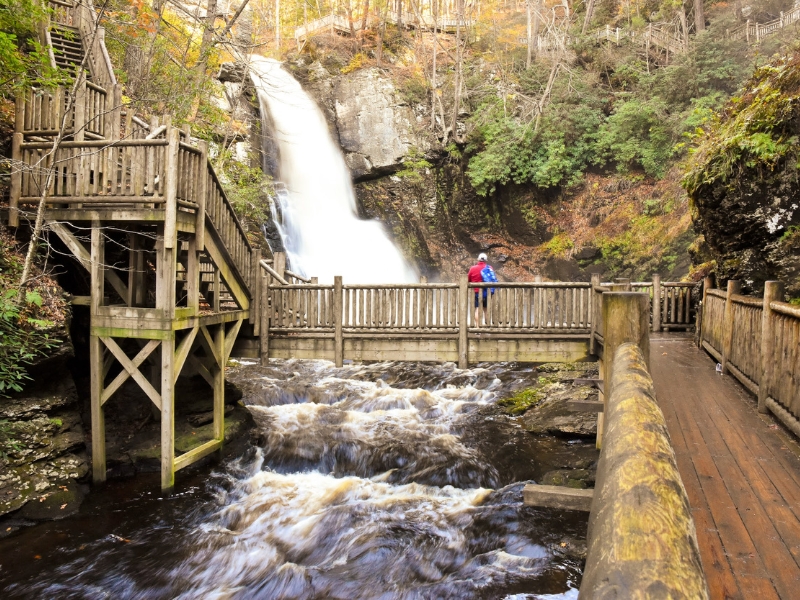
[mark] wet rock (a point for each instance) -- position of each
(41, 441)
(544, 405)
(587, 253)
(54, 502)
(572, 478)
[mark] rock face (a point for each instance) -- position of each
(42, 451)
(376, 127)
(745, 181)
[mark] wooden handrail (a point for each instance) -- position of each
(275, 274)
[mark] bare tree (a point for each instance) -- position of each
(699, 17)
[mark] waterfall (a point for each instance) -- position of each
(321, 230)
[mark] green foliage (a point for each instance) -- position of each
(755, 131)
(23, 61)
(22, 341)
(248, 189)
(637, 135)
(414, 166)
(559, 245)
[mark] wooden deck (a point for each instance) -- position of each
(741, 472)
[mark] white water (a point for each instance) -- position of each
(321, 229)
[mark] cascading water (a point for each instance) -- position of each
(322, 233)
(392, 480)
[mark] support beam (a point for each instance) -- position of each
(230, 340)
(127, 372)
(219, 382)
(167, 415)
(182, 352)
(78, 250)
(133, 370)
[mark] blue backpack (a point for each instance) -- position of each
(488, 276)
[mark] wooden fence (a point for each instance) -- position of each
(523, 321)
(757, 340)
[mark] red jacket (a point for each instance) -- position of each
(474, 275)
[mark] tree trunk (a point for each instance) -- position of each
(208, 36)
(278, 26)
(435, 11)
(459, 60)
(529, 14)
(588, 18)
(699, 17)
(684, 26)
(366, 15)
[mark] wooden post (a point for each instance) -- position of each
(706, 286)
(279, 263)
(338, 339)
(217, 288)
(463, 322)
(193, 277)
(96, 358)
(16, 180)
(625, 319)
(167, 413)
(655, 303)
(624, 284)
(202, 192)
(265, 313)
(593, 313)
(116, 111)
(171, 193)
(219, 384)
(80, 110)
(773, 292)
(734, 287)
(537, 279)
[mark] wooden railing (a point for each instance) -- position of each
(757, 340)
(755, 32)
(94, 172)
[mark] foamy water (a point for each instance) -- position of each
(363, 484)
(321, 230)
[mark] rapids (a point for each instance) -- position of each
(319, 224)
(392, 480)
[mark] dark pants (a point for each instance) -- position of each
(485, 299)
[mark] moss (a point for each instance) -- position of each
(522, 401)
(559, 245)
(756, 131)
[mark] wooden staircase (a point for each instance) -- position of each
(137, 204)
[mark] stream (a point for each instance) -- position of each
(390, 480)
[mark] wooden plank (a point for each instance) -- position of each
(133, 370)
(553, 496)
(195, 454)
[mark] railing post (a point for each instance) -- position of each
(626, 318)
(338, 339)
(16, 180)
(171, 195)
(655, 303)
(463, 322)
(700, 313)
(593, 313)
(79, 124)
(265, 313)
(116, 111)
(773, 292)
(747, 31)
(202, 191)
(279, 263)
(734, 287)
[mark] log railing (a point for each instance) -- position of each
(93, 172)
(757, 340)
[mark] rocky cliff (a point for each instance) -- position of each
(744, 181)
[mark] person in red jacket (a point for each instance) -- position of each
(474, 276)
